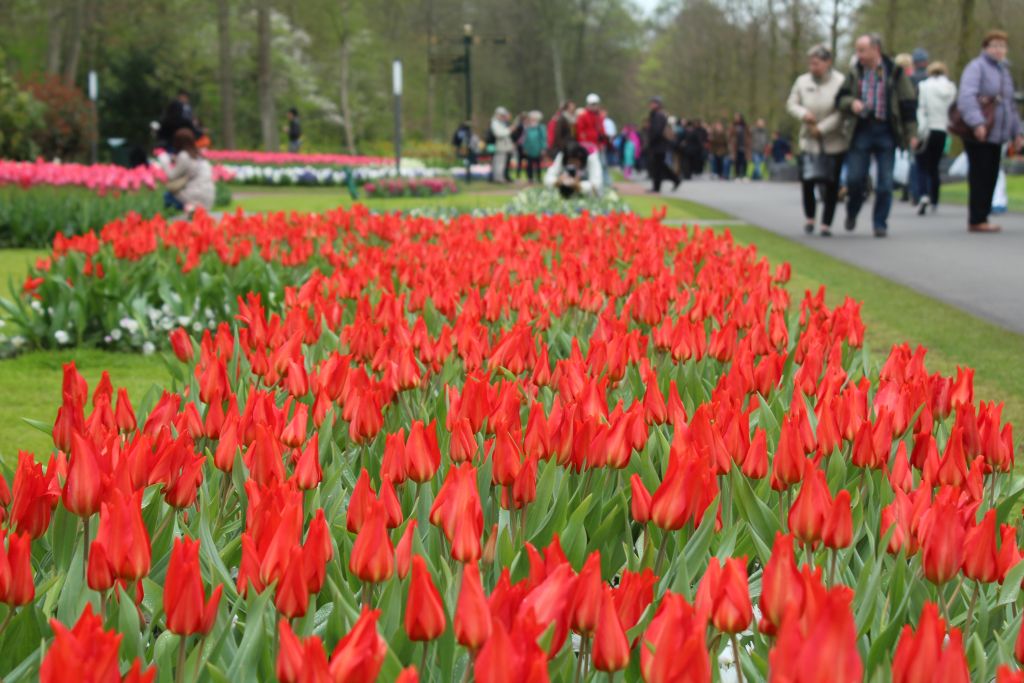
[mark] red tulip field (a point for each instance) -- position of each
(502, 449)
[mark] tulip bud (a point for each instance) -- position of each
(838, 531)
(472, 613)
(611, 648)
(424, 611)
(640, 502)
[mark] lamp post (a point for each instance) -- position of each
(467, 41)
(396, 85)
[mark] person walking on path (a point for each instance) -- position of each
(590, 126)
(739, 145)
(718, 146)
(561, 128)
(503, 145)
(659, 142)
(294, 131)
(759, 142)
(986, 105)
(935, 95)
(812, 101)
(879, 97)
(534, 144)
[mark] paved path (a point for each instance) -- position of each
(935, 255)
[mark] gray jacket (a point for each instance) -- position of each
(985, 77)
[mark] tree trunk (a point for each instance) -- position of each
(75, 50)
(556, 66)
(773, 58)
(227, 78)
(55, 36)
(346, 109)
(431, 76)
(891, 22)
(795, 40)
(264, 84)
(834, 27)
(963, 44)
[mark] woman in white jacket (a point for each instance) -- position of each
(935, 95)
(813, 102)
(501, 129)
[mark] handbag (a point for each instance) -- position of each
(817, 167)
(957, 125)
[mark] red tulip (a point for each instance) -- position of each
(585, 605)
(640, 501)
(123, 536)
(292, 595)
(611, 648)
(421, 451)
(181, 344)
(838, 531)
(84, 487)
(308, 473)
(673, 648)
(818, 643)
(403, 552)
(472, 613)
(1004, 674)
(811, 508)
(925, 656)
(34, 496)
(85, 652)
(185, 603)
(17, 585)
(372, 558)
(943, 541)
(723, 594)
(781, 585)
(358, 656)
(981, 560)
(300, 661)
(634, 594)
(424, 611)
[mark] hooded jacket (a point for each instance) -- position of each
(901, 100)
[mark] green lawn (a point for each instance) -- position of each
(956, 193)
(477, 196)
(893, 314)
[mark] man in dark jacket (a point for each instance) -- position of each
(881, 99)
(177, 115)
(659, 142)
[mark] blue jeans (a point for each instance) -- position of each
(758, 159)
(872, 139)
(172, 202)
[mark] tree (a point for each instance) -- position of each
(264, 80)
(226, 74)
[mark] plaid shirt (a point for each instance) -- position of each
(872, 93)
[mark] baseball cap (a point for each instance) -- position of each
(592, 98)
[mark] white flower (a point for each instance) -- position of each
(197, 326)
(18, 341)
(62, 337)
(115, 334)
(184, 320)
(148, 348)
(36, 306)
(129, 324)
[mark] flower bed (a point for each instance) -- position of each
(326, 175)
(403, 187)
(239, 156)
(40, 200)
(527, 447)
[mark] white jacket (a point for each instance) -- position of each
(934, 97)
(819, 98)
(594, 183)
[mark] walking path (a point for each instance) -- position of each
(935, 255)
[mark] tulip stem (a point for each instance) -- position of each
(661, 556)
(423, 660)
(179, 672)
(970, 609)
(736, 657)
(7, 620)
(199, 657)
(85, 548)
(367, 594)
(832, 568)
(582, 655)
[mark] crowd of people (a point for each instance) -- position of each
(853, 127)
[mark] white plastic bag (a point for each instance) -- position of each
(999, 198)
(958, 169)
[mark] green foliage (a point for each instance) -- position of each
(70, 119)
(21, 116)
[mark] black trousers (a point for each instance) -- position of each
(740, 162)
(829, 194)
(983, 160)
(660, 170)
(928, 165)
(533, 168)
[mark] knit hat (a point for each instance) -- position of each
(920, 56)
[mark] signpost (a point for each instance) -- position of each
(396, 86)
(94, 95)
